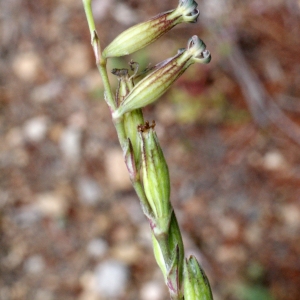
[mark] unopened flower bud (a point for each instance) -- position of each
(141, 35)
(131, 119)
(195, 283)
(131, 122)
(125, 84)
(169, 254)
(156, 178)
(156, 83)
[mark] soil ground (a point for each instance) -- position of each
(229, 131)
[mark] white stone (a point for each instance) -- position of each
(15, 137)
(116, 169)
(89, 190)
(97, 248)
(215, 8)
(51, 204)
(111, 278)
(124, 14)
(291, 215)
(77, 61)
(27, 215)
(26, 66)
(274, 160)
(43, 295)
(133, 209)
(36, 128)
(70, 144)
(100, 8)
(46, 92)
(229, 227)
(34, 264)
(152, 291)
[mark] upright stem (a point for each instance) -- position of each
(100, 61)
(87, 4)
(119, 124)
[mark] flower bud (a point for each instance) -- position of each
(195, 283)
(125, 84)
(130, 160)
(131, 122)
(131, 119)
(141, 35)
(169, 254)
(156, 83)
(155, 175)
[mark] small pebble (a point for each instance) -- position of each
(291, 215)
(27, 216)
(127, 253)
(97, 248)
(228, 254)
(46, 92)
(89, 191)
(152, 291)
(26, 66)
(111, 278)
(70, 146)
(36, 128)
(51, 204)
(215, 8)
(43, 295)
(116, 170)
(34, 264)
(100, 8)
(274, 160)
(14, 137)
(124, 14)
(229, 227)
(77, 61)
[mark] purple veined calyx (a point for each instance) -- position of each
(157, 82)
(143, 34)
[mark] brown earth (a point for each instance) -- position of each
(229, 131)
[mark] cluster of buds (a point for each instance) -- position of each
(144, 158)
(156, 83)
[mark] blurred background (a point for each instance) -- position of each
(70, 225)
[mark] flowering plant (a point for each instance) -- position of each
(143, 155)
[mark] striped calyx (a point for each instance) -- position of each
(143, 34)
(157, 83)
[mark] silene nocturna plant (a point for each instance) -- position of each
(147, 167)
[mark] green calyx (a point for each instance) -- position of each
(155, 171)
(197, 49)
(133, 118)
(143, 34)
(157, 83)
(195, 282)
(169, 253)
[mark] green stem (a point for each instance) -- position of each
(89, 15)
(109, 95)
(100, 61)
(119, 124)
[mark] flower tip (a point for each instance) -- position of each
(197, 47)
(196, 43)
(189, 10)
(206, 57)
